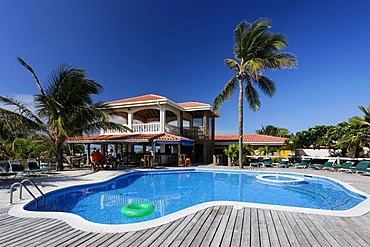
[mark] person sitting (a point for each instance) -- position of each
(113, 159)
(97, 159)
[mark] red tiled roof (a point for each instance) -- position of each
(148, 97)
(98, 137)
(250, 138)
(192, 104)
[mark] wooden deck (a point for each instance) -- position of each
(214, 226)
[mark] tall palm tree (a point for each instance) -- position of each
(255, 50)
(64, 108)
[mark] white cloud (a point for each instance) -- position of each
(24, 99)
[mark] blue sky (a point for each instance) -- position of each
(177, 49)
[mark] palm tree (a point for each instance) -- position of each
(255, 50)
(360, 134)
(64, 109)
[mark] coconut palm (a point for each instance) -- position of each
(255, 50)
(359, 135)
(64, 108)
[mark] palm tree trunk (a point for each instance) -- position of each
(59, 157)
(240, 109)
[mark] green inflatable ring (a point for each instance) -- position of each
(137, 209)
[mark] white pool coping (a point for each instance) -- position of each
(78, 222)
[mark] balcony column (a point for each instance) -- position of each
(180, 123)
(162, 118)
(129, 118)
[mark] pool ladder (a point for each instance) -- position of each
(21, 185)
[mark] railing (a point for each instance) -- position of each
(196, 133)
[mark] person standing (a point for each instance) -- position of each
(96, 158)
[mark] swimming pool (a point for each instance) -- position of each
(175, 190)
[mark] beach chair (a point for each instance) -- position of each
(267, 163)
(4, 173)
(33, 165)
(254, 162)
(327, 165)
(346, 164)
(304, 164)
(361, 167)
(15, 166)
(283, 163)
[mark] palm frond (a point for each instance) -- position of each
(252, 97)
(226, 93)
(231, 64)
(24, 64)
(266, 85)
(239, 39)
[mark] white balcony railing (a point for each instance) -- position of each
(155, 128)
(148, 128)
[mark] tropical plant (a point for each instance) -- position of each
(255, 50)
(359, 136)
(64, 108)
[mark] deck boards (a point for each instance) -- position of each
(214, 226)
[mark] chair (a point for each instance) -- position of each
(4, 173)
(327, 165)
(254, 162)
(361, 167)
(345, 165)
(304, 164)
(15, 166)
(267, 163)
(283, 163)
(33, 165)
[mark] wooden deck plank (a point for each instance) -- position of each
(304, 229)
(213, 227)
(82, 241)
(255, 233)
(316, 231)
(246, 232)
(360, 226)
(119, 241)
(173, 235)
(23, 233)
(288, 229)
(192, 226)
(352, 232)
(332, 230)
(280, 232)
(195, 230)
(329, 239)
(140, 237)
(155, 235)
(296, 230)
(76, 239)
(237, 234)
(166, 230)
(39, 237)
(229, 230)
(221, 227)
(198, 238)
(273, 237)
(262, 225)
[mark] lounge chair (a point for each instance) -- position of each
(4, 173)
(33, 165)
(254, 162)
(283, 163)
(361, 167)
(345, 165)
(266, 162)
(15, 166)
(304, 164)
(327, 165)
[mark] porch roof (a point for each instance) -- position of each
(130, 138)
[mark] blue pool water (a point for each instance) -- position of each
(171, 191)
